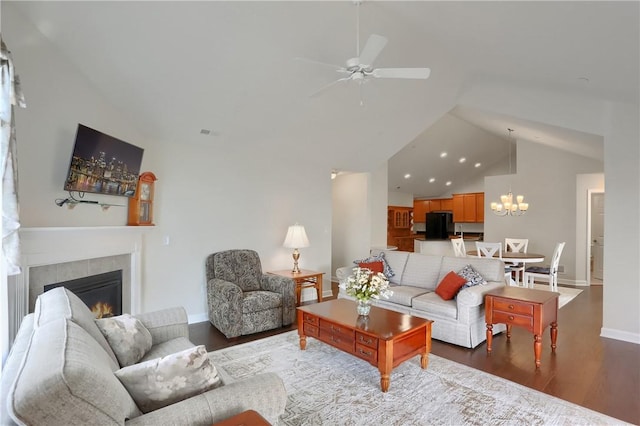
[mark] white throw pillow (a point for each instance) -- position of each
(128, 337)
(163, 381)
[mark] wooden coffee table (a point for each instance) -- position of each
(384, 338)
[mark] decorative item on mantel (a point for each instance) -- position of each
(507, 207)
(365, 285)
(296, 238)
(141, 204)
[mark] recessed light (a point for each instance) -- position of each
(443, 154)
(462, 160)
(448, 183)
(477, 165)
(431, 180)
(407, 176)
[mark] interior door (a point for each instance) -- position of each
(597, 235)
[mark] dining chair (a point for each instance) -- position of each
(549, 273)
(516, 245)
(493, 250)
(458, 247)
(489, 249)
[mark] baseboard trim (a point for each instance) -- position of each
(625, 336)
(195, 318)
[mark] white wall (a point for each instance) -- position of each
(400, 199)
(209, 197)
(380, 198)
(352, 208)
(621, 316)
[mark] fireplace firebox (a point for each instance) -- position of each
(102, 293)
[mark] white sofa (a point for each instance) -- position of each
(60, 371)
(460, 321)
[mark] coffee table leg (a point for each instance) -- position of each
(303, 342)
(489, 337)
(537, 348)
(554, 335)
(424, 360)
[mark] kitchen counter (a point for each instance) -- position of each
(468, 237)
(443, 247)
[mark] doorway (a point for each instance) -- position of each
(596, 238)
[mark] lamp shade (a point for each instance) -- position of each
(296, 237)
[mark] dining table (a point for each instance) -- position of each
(514, 257)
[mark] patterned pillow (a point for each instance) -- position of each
(128, 337)
(163, 381)
(472, 276)
(378, 258)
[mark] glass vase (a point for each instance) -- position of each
(363, 307)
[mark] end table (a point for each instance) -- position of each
(303, 279)
(531, 309)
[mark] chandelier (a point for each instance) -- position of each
(506, 206)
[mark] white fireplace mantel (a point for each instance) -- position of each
(47, 246)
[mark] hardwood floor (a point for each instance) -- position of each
(594, 372)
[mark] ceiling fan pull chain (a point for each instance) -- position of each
(357, 28)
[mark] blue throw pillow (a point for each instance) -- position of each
(378, 258)
(472, 276)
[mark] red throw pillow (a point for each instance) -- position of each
(374, 266)
(450, 285)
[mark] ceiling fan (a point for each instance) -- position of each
(360, 68)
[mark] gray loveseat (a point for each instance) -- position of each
(60, 371)
(459, 321)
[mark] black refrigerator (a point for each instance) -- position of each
(439, 225)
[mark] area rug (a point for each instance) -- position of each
(328, 387)
(567, 294)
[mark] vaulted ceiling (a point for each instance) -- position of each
(178, 67)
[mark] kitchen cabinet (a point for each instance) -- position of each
(401, 217)
(422, 207)
(480, 207)
(400, 227)
(420, 210)
(468, 208)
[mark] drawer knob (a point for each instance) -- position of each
(363, 340)
(511, 317)
(365, 352)
(511, 306)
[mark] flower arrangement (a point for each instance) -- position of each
(365, 284)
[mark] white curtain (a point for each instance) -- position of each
(11, 95)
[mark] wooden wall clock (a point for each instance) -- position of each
(141, 204)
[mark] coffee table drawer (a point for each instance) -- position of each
(342, 342)
(309, 319)
(311, 330)
(363, 339)
(366, 353)
(513, 319)
(512, 306)
(336, 329)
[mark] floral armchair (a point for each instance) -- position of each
(242, 299)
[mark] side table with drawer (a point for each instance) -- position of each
(531, 309)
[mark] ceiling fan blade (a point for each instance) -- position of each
(313, 61)
(324, 88)
(372, 49)
(421, 73)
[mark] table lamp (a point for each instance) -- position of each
(296, 238)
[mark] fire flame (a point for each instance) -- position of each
(102, 310)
